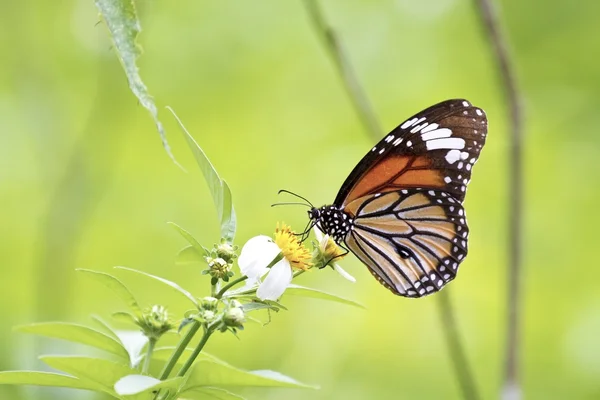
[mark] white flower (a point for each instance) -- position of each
(330, 251)
(260, 251)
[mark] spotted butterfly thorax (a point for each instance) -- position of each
(400, 210)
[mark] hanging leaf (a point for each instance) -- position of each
(297, 290)
(78, 334)
(120, 17)
(167, 282)
(43, 379)
(116, 286)
(218, 188)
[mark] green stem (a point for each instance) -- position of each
(209, 331)
(298, 273)
(179, 350)
(230, 285)
(149, 351)
(213, 289)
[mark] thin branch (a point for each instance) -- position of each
(457, 351)
(336, 50)
(491, 24)
(365, 111)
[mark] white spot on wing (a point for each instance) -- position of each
(381, 151)
(446, 143)
(430, 127)
(478, 111)
(397, 141)
(452, 156)
(418, 128)
(466, 103)
(389, 138)
(437, 134)
(408, 123)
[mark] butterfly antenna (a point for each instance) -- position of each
(296, 195)
(290, 204)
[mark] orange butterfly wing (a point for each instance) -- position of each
(435, 149)
(405, 198)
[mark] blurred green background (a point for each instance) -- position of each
(85, 182)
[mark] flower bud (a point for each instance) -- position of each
(218, 268)
(155, 322)
(234, 317)
(209, 303)
(207, 315)
(226, 251)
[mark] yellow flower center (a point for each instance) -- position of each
(293, 251)
(332, 251)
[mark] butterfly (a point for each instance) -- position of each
(400, 211)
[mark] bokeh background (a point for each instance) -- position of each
(85, 182)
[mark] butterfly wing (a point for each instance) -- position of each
(434, 149)
(405, 198)
(412, 240)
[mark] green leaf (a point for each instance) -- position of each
(43, 379)
(297, 290)
(218, 188)
(107, 328)
(100, 372)
(247, 307)
(190, 239)
(228, 217)
(207, 372)
(166, 282)
(116, 286)
(121, 19)
(125, 317)
(211, 393)
(138, 384)
(78, 334)
(189, 255)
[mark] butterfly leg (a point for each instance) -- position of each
(346, 251)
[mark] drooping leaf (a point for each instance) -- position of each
(78, 334)
(211, 393)
(43, 379)
(228, 217)
(123, 316)
(123, 25)
(219, 190)
(106, 327)
(138, 384)
(190, 239)
(189, 255)
(100, 372)
(167, 282)
(297, 290)
(247, 307)
(207, 372)
(116, 286)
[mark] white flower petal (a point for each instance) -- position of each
(318, 234)
(276, 282)
(256, 254)
(322, 239)
(343, 273)
(134, 342)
